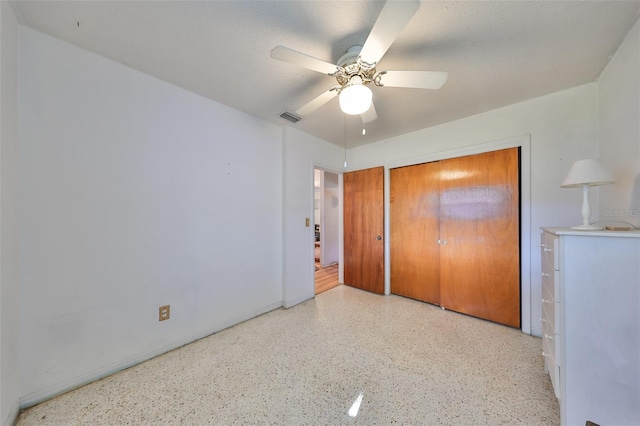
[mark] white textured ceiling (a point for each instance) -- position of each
(496, 52)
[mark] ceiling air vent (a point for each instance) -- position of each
(290, 116)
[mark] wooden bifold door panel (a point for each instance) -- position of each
(455, 234)
(363, 194)
(415, 224)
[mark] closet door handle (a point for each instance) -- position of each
(378, 237)
(439, 241)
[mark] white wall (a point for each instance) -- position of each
(619, 90)
(562, 127)
(135, 194)
(9, 285)
(302, 153)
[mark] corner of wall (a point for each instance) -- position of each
(619, 133)
(9, 289)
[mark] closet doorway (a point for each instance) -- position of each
(326, 223)
(455, 234)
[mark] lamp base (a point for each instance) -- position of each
(587, 228)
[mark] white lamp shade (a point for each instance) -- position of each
(587, 172)
(355, 99)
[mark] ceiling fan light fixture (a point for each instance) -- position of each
(355, 98)
(356, 70)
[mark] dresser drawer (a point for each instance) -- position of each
(551, 353)
(548, 313)
(550, 309)
(554, 374)
(546, 251)
(552, 339)
(549, 251)
(550, 282)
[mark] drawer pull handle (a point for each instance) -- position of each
(543, 319)
(544, 274)
(540, 245)
(545, 301)
(544, 354)
(548, 337)
(547, 250)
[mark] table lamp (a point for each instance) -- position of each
(586, 173)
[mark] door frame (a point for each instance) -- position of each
(524, 143)
(320, 166)
(323, 217)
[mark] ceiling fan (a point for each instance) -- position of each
(356, 69)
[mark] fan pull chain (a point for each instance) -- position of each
(345, 141)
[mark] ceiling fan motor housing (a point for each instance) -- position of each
(350, 65)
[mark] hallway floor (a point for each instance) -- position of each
(326, 277)
(406, 361)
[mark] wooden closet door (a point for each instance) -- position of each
(363, 193)
(479, 220)
(415, 230)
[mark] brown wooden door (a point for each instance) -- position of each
(479, 221)
(415, 230)
(363, 193)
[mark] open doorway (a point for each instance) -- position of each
(326, 222)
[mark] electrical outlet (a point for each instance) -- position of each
(165, 313)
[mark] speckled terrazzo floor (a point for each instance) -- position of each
(413, 363)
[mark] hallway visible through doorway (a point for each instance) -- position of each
(326, 222)
(326, 278)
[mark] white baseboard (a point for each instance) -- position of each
(291, 303)
(11, 419)
(536, 332)
(35, 398)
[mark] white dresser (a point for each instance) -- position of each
(591, 324)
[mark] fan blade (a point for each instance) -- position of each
(412, 79)
(317, 102)
(394, 17)
(369, 115)
(285, 54)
